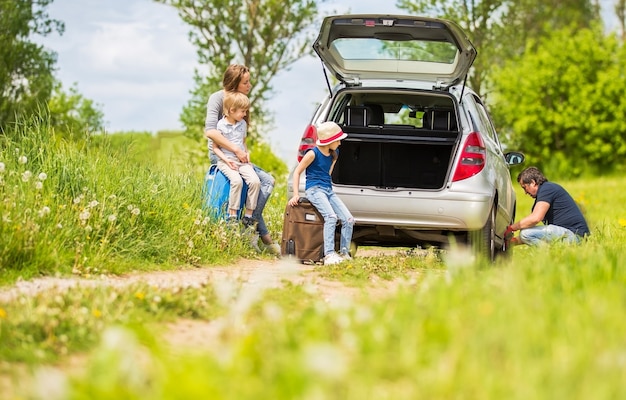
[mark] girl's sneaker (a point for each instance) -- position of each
(345, 256)
(332, 259)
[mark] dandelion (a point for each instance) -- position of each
(78, 199)
(185, 206)
(96, 313)
(190, 244)
(3, 313)
(130, 207)
(93, 203)
(622, 222)
(156, 299)
(112, 197)
(135, 211)
(84, 215)
(197, 222)
(22, 160)
(44, 211)
(2, 167)
(42, 176)
(140, 295)
(26, 176)
(39, 185)
(59, 226)
(112, 218)
(88, 228)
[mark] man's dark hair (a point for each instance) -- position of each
(531, 174)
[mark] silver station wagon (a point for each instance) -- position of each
(422, 164)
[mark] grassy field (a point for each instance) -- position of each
(545, 323)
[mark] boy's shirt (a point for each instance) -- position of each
(236, 133)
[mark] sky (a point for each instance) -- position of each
(133, 58)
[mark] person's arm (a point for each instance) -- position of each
(304, 163)
(538, 214)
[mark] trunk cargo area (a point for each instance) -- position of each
(388, 158)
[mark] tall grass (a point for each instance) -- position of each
(545, 323)
(95, 206)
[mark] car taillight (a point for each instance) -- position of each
(308, 141)
(472, 159)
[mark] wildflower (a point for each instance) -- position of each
(88, 228)
(185, 206)
(78, 199)
(93, 203)
(2, 167)
(130, 207)
(44, 211)
(190, 244)
(197, 222)
(156, 299)
(135, 211)
(3, 313)
(84, 215)
(622, 222)
(22, 160)
(59, 226)
(112, 218)
(42, 176)
(140, 295)
(39, 185)
(26, 176)
(112, 197)
(96, 313)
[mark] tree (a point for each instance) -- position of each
(620, 12)
(562, 102)
(499, 29)
(26, 68)
(264, 35)
(72, 115)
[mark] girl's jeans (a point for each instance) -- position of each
(548, 233)
(332, 208)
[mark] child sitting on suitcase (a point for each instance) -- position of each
(318, 164)
(234, 127)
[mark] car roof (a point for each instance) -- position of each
(359, 47)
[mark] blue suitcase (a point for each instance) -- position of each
(215, 194)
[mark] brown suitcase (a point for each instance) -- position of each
(303, 232)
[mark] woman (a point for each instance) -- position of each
(237, 78)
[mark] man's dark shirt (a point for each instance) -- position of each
(563, 210)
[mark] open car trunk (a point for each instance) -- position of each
(388, 148)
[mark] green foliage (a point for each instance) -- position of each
(562, 103)
(526, 328)
(500, 29)
(97, 204)
(72, 115)
(264, 35)
(43, 327)
(26, 68)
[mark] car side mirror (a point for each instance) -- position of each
(514, 158)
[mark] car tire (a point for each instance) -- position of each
(483, 241)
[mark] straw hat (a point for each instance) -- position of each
(329, 132)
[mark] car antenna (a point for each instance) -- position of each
(330, 90)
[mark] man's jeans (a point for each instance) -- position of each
(548, 233)
(332, 208)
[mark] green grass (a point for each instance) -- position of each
(545, 323)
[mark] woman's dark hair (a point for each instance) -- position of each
(531, 174)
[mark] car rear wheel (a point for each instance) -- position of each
(483, 241)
